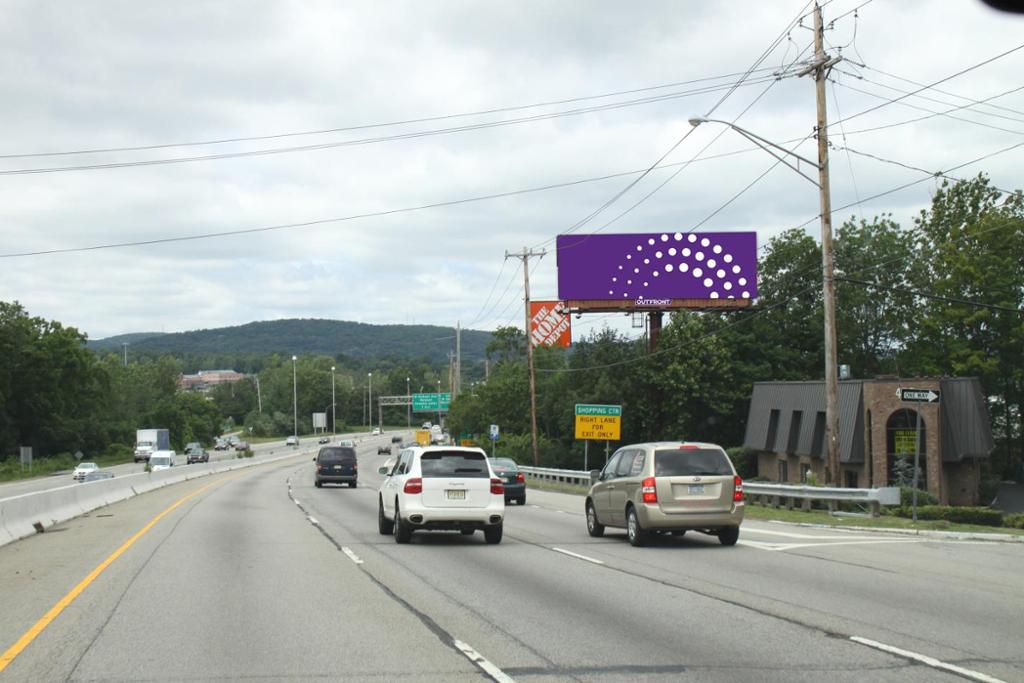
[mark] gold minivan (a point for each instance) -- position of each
(667, 487)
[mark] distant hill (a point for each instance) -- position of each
(297, 336)
(116, 341)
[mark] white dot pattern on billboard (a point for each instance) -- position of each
(717, 281)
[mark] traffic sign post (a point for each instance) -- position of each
(26, 458)
(494, 438)
(917, 396)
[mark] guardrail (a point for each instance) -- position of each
(768, 494)
(575, 477)
(775, 494)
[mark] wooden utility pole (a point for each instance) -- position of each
(822, 63)
(525, 255)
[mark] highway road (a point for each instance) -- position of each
(257, 575)
(35, 484)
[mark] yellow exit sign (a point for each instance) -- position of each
(598, 422)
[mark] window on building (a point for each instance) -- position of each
(783, 471)
(850, 477)
(794, 431)
(773, 430)
(818, 439)
(900, 432)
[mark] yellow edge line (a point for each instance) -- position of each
(37, 628)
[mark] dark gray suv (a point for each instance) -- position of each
(336, 465)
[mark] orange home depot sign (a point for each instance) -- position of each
(549, 324)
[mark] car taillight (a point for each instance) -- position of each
(650, 490)
(497, 488)
(413, 485)
(520, 477)
(737, 489)
(319, 467)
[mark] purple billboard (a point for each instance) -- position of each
(650, 267)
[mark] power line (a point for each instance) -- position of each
(764, 55)
(938, 90)
(366, 126)
(930, 85)
(925, 295)
(383, 138)
(932, 112)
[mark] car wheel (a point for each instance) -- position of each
(493, 533)
(594, 527)
(319, 484)
(729, 535)
(403, 530)
(679, 532)
(466, 532)
(384, 525)
(351, 484)
(522, 500)
(637, 534)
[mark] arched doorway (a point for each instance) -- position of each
(900, 431)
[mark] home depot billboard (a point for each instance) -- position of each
(550, 324)
(651, 270)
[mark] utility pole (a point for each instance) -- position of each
(125, 346)
(822, 63)
(525, 255)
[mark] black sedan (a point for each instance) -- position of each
(515, 482)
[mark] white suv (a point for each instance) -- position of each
(440, 488)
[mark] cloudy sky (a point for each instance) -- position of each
(370, 92)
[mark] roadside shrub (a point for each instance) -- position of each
(1014, 521)
(744, 460)
(120, 451)
(923, 497)
(954, 514)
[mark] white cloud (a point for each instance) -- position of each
(96, 74)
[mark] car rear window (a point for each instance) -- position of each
(691, 462)
(337, 455)
(504, 464)
(453, 464)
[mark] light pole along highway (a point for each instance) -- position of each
(819, 66)
(295, 399)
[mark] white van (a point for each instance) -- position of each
(161, 460)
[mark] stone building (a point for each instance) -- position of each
(877, 430)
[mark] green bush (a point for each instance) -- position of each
(1014, 521)
(953, 514)
(744, 460)
(923, 497)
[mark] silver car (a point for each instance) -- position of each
(667, 487)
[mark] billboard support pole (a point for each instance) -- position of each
(525, 255)
(654, 318)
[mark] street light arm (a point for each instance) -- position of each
(766, 145)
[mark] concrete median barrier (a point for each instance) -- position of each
(31, 513)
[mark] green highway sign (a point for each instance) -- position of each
(610, 411)
(430, 403)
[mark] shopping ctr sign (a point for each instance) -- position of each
(550, 324)
(598, 422)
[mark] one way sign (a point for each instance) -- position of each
(918, 395)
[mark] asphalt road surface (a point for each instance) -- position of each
(257, 575)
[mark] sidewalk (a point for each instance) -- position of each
(926, 533)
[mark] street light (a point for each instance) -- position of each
(295, 398)
(408, 397)
(827, 273)
(369, 397)
(439, 402)
(334, 427)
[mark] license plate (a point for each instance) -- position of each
(456, 494)
(696, 488)
(337, 467)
